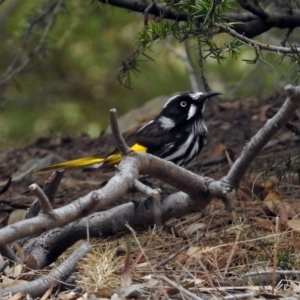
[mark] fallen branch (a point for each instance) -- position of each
(38, 287)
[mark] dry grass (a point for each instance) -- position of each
(212, 259)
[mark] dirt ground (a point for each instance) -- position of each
(230, 123)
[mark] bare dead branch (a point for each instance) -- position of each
(146, 189)
(48, 247)
(38, 287)
(50, 187)
(18, 65)
(42, 197)
(146, 13)
(44, 222)
(154, 195)
(252, 148)
(259, 45)
(121, 144)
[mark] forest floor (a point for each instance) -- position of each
(215, 249)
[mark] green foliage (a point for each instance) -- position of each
(73, 81)
(286, 260)
(71, 86)
(202, 25)
(286, 167)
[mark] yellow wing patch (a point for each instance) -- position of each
(138, 148)
(115, 159)
(106, 163)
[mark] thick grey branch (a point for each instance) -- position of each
(104, 224)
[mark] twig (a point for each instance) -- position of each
(289, 32)
(16, 66)
(201, 66)
(240, 296)
(50, 187)
(232, 253)
(37, 287)
(292, 128)
(120, 142)
(44, 201)
(178, 287)
(6, 186)
(259, 45)
(170, 257)
(154, 194)
(194, 75)
(146, 13)
(275, 258)
(140, 246)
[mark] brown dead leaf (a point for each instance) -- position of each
(269, 185)
(294, 224)
(263, 113)
(273, 196)
(217, 151)
(278, 208)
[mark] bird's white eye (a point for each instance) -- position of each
(183, 104)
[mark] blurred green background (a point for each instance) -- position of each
(73, 83)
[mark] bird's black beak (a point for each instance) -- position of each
(207, 95)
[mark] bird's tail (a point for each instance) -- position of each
(93, 162)
(104, 164)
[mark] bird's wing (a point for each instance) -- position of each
(115, 158)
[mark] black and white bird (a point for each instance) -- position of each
(177, 134)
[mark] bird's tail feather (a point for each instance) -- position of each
(105, 164)
(75, 163)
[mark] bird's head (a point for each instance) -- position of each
(184, 107)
